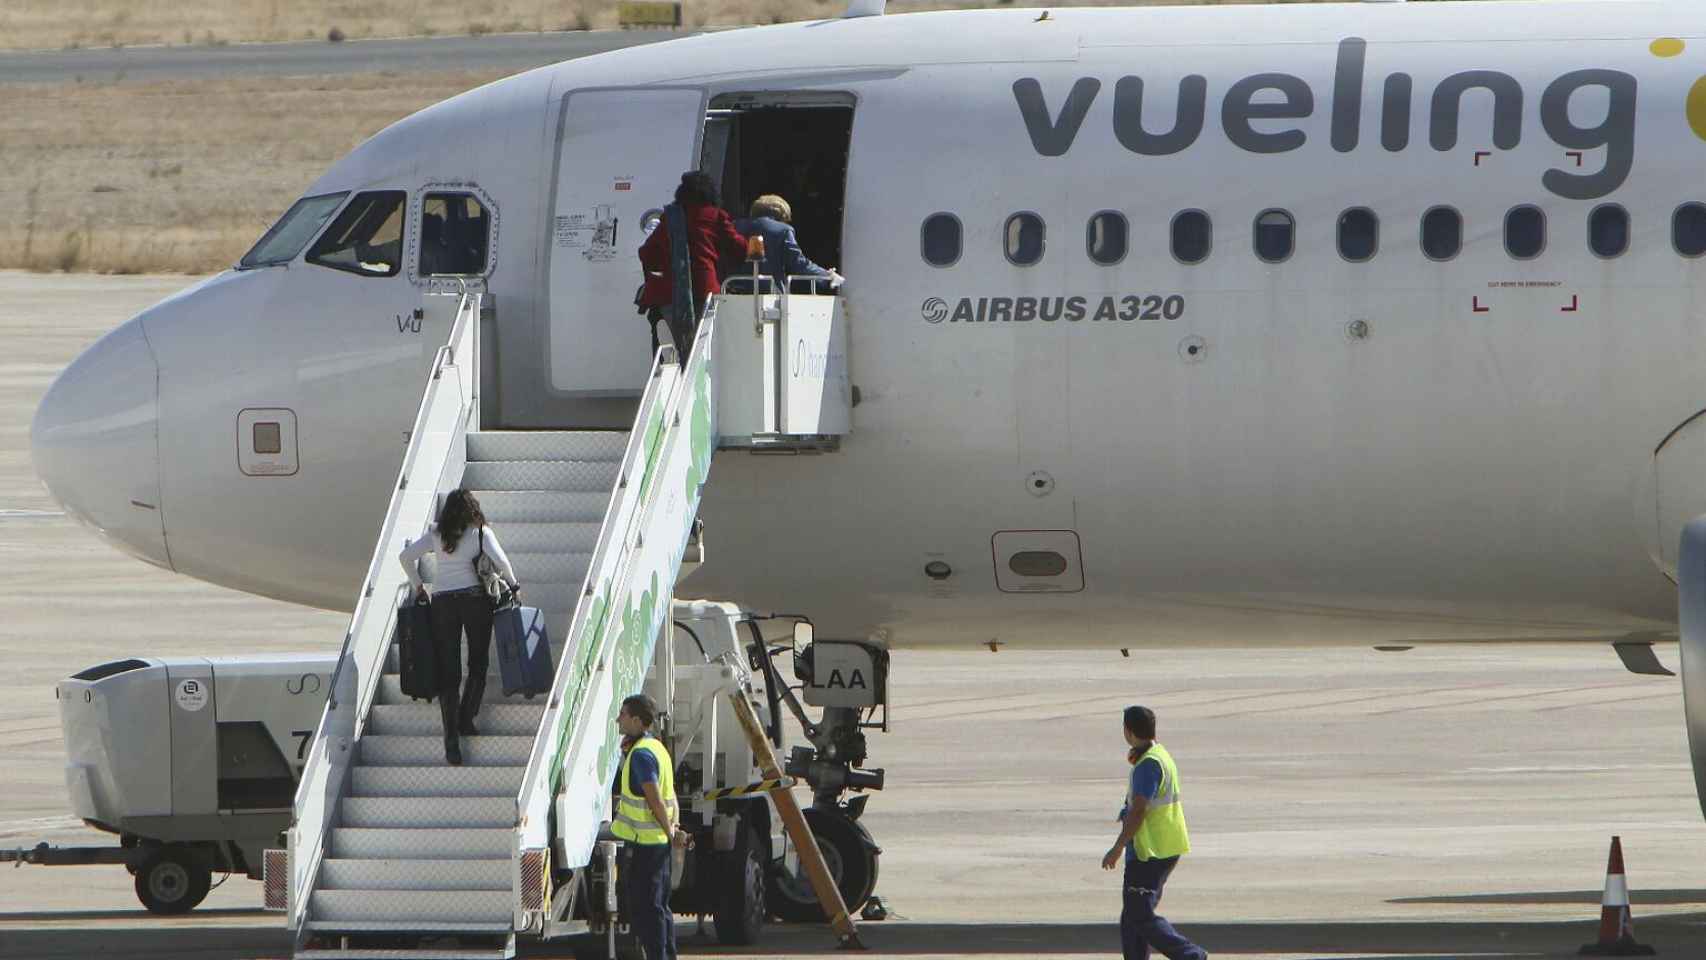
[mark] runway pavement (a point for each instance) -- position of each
(1446, 802)
(516, 52)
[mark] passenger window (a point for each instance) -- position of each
(1525, 232)
(1275, 235)
(1608, 231)
(455, 235)
(1023, 239)
(1442, 233)
(939, 240)
(1359, 234)
(1688, 229)
(292, 232)
(367, 238)
(1105, 238)
(1193, 236)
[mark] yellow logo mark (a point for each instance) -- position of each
(1695, 109)
(1668, 47)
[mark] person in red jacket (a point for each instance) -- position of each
(710, 236)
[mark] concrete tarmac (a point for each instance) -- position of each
(513, 51)
(1450, 801)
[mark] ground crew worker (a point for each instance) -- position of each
(1152, 839)
(646, 818)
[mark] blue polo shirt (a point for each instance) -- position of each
(1146, 783)
(641, 771)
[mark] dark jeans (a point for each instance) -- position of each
(1140, 927)
(452, 614)
(645, 894)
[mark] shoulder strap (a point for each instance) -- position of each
(681, 265)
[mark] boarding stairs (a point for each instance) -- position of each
(392, 852)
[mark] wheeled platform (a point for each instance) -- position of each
(191, 761)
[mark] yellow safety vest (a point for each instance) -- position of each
(1162, 833)
(634, 821)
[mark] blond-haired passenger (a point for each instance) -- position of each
(772, 219)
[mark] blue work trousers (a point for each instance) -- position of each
(646, 885)
(1141, 928)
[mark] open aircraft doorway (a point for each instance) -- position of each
(794, 145)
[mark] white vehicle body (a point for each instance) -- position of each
(1310, 451)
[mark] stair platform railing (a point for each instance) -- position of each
(449, 408)
(618, 616)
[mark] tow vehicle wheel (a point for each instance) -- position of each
(172, 880)
(740, 904)
(852, 862)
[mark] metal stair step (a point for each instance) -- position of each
(422, 907)
(543, 506)
(587, 445)
(480, 751)
(416, 875)
(550, 567)
(334, 927)
(369, 781)
(396, 813)
(423, 719)
(459, 953)
(537, 537)
(461, 843)
(576, 475)
(494, 673)
(391, 691)
(549, 595)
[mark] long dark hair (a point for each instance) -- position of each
(697, 187)
(460, 512)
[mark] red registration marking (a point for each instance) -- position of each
(1575, 304)
(624, 185)
(1475, 305)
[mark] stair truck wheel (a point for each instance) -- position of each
(172, 879)
(851, 856)
(739, 909)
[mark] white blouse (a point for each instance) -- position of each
(455, 570)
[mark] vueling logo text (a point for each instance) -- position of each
(1284, 96)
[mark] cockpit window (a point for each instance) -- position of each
(292, 232)
(367, 238)
(455, 231)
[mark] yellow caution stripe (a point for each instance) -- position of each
(750, 790)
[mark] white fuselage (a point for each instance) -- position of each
(1314, 450)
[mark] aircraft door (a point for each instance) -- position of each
(620, 154)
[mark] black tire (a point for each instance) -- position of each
(852, 862)
(740, 907)
(173, 879)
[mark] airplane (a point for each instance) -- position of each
(1365, 323)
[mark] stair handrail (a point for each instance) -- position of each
(447, 408)
(666, 408)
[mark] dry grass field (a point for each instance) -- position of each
(179, 177)
(56, 24)
(184, 176)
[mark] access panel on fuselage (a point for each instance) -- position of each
(620, 154)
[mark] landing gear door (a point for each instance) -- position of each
(620, 154)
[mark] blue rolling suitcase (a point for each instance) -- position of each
(524, 652)
(417, 668)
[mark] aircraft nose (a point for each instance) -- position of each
(95, 443)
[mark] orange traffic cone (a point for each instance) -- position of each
(1616, 926)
